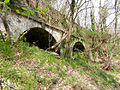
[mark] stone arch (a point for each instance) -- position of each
(78, 46)
(39, 37)
(19, 24)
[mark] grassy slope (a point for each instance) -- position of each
(29, 68)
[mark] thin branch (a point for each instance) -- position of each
(80, 7)
(83, 4)
(68, 2)
(81, 11)
(112, 21)
(55, 45)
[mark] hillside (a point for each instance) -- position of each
(29, 68)
(77, 57)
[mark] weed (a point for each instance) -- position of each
(6, 50)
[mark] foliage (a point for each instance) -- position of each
(100, 46)
(28, 12)
(20, 75)
(93, 69)
(64, 22)
(6, 50)
(31, 68)
(92, 21)
(6, 8)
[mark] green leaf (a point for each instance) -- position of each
(5, 10)
(6, 88)
(41, 12)
(45, 9)
(35, 11)
(25, 9)
(6, 1)
(39, 9)
(7, 7)
(24, 13)
(18, 11)
(32, 12)
(1, 2)
(28, 13)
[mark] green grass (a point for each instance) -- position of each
(93, 70)
(6, 50)
(29, 68)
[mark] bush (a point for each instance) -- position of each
(6, 50)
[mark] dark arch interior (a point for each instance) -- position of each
(40, 38)
(78, 47)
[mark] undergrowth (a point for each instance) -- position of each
(30, 68)
(95, 72)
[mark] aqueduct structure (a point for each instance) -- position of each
(33, 28)
(35, 31)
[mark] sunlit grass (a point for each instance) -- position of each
(30, 67)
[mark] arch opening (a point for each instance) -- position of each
(78, 47)
(40, 37)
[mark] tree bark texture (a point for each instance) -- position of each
(68, 51)
(116, 20)
(3, 17)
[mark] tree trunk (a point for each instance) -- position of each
(3, 17)
(116, 20)
(68, 51)
(107, 65)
